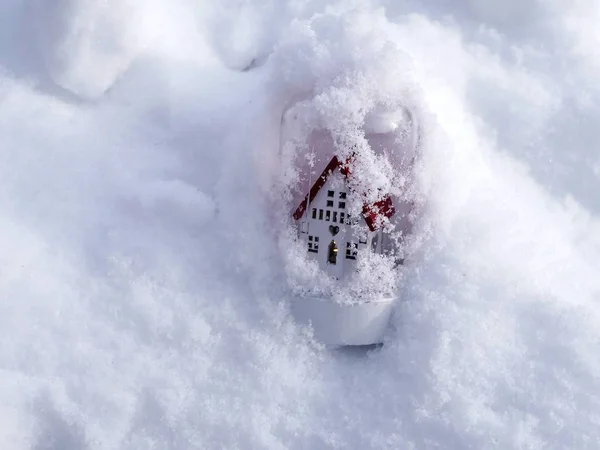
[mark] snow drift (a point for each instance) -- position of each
(142, 298)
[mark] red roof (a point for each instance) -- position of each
(372, 213)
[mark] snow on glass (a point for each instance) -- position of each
(342, 109)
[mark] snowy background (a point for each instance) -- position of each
(141, 296)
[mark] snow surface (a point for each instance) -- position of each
(142, 299)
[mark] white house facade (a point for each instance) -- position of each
(328, 231)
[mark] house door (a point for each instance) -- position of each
(332, 253)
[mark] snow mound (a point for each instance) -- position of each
(143, 299)
(86, 45)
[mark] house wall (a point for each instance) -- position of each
(318, 229)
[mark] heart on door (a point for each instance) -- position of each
(334, 230)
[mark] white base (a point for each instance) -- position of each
(336, 324)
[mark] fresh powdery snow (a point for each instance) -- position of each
(144, 295)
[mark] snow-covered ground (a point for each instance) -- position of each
(142, 299)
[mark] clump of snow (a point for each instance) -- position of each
(142, 291)
(382, 121)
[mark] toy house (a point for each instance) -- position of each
(331, 235)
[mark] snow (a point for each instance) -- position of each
(143, 302)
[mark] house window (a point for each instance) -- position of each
(351, 250)
(342, 205)
(332, 254)
(313, 244)
(314, 213)
(330, 193)
(320, 214)
(327, 215)
(334, 216)
(342, 195)
(342, 216)
(330, 203)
